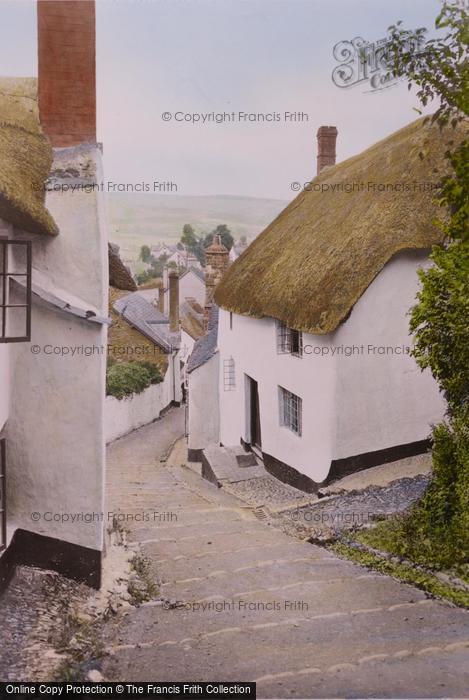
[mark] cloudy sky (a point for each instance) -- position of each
(203, 56)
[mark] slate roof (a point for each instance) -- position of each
(200, 273)
(142, 315)
(192, 318)
(206, 346)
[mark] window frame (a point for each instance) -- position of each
(290, 411)
(289, 340)
(229, 374)
(5, 276)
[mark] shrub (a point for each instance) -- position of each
(435, 532)
(127, 378)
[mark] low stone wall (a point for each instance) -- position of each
(123, 415)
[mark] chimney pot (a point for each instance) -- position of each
(327, 137)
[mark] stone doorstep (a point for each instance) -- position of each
(221, 464)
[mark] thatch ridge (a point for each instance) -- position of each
(25, 158)
(314, 261)
(120, 276)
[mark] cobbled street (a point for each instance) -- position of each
(239, 600)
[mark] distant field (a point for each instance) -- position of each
(138, 219)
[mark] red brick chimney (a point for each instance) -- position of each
(327, 137)
(217, 259)
(173, 301)
(67, 70)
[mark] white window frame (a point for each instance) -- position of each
(285, 343)
(290, 411)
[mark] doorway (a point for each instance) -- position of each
(254, 415)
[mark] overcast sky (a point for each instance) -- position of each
(202, 56)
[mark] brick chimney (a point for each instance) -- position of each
(327, 137)
(217, 259)
(161, 299)
(173, 301)
(67, 70)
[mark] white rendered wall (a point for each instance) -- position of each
(124, 415)
(55, 433)
(252, 344)
(351, 404)
(383, 399)
(204, 412)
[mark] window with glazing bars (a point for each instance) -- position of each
(290, 410)
(289, 341)
(15, 290)
(3, 497)
(229, 383)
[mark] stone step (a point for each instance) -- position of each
(229, 464)
(329, 644)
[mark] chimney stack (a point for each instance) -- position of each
(217, 259)
(67, 71)
(173, 301)
(327, 137)
(161, 299)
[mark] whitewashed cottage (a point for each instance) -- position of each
(313, 363)
(53, 306)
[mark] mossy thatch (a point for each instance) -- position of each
(314, 261)
(25, 158)
(120, 276)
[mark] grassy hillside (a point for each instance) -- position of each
(138, 219)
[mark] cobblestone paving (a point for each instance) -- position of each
(329, 516)
(240, 600)
(270, 492)
(30, 619)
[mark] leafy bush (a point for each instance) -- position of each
(127, 378)
(435, 532)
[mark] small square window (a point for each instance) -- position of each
(289, 341)
(15, 290)
(291, 407)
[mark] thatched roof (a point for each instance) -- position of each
(119, 275)
(315, 260)
(25, 158)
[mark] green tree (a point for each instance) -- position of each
(437, 529)
(145, 254)
(189, 238)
